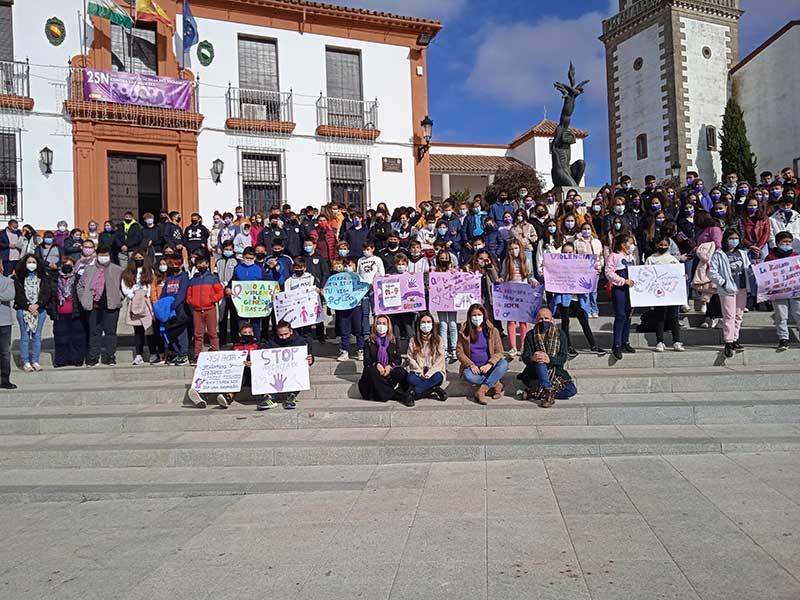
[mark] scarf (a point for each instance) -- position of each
(548, 342)
(65, 288)
(32, 284)
(383, 350)
(98, 283)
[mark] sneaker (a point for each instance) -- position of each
(783, 345)
(571, 352)
(660, 347)
(223, 400)
(628, 349)
(617, 352)
(36, 366)
(360, 356)
(111, 362)
(512, 352)
(291, 402)
(344, 356)
(728, 350)
(138, 360)
(156, 360)
(685, 308)
(706, 324)
(452, 358)
(715, 323)
(737, 346)
(196, 398)
(7, 385)
(181, 361)
(678, 347)
(91, 363)
(266, 404)
(28, 368)
(439, 394)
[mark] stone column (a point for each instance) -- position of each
(445, 186)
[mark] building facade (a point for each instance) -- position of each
(302, 103)
(667, 66)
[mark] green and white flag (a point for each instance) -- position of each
(108, 9)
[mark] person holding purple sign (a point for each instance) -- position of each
(517, 268)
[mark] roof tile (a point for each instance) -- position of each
(465, 163)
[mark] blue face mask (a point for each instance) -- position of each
(476, 210)
(785, 247)
(617, 226)
(659, 222)
(343, 253)
(48, 240)
(544, 325)
(551, 229)
(227, 253)
(733, 244)
(448, 213)
(356, 222)
(443, 231)
(308, 249)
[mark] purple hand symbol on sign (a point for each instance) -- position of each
(585, 284)
(278, 382)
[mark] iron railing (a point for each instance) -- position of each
(259, 105)
(16, 78)
(347, 114)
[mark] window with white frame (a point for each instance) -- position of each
(262, 177)
(259, 88)
(134, 50)
(10, 157)
(348, 179)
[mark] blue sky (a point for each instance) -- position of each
(491, 69)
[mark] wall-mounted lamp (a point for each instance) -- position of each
(217, 167)
(676, 170)
(427, 133)
(46, 156)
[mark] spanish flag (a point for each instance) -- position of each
(148, 10)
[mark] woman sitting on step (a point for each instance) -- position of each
(425, 361)
(480, 352)
(383, 374)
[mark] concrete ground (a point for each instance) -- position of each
(675, 527)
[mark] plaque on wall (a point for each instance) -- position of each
(393, 165)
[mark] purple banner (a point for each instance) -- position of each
(141, 90)
(453, 291)
(516, 301)
(399, 293)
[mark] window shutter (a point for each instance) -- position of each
(145, 56)
(6, 33)
(343, 69)
(258, 64)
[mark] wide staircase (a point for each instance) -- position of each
(125, 431)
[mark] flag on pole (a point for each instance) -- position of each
(148, 10)
(108, 9)
(190, 35)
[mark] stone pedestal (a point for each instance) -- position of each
(587, 193)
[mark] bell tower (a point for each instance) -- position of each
(667, 64)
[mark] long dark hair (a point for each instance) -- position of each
(470, 330)
(21, 270)
(434, 342)
(726, 235)
(129, 274)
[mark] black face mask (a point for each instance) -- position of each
(247, 339)
(203, 269)
(299, 273)
(394, 246)
(164, 218)
(139, 262)
(66, 269)
(195, 222)
(260, 256)
(172, 270)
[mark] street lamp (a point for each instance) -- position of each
(427, 133)
(676, 170)
(217, 167)
(46, 156)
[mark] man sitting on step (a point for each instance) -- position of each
(284, 337)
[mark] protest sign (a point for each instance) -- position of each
(396, 294)
(516, 301)
(277, 370)
(658, 285)
(253, 299)
(570, 273)
(344, 291)
(453, 291)
(299, 307)
(778, 279)
(218, 372)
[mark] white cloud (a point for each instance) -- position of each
(430, 9)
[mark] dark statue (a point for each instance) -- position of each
(566, 174)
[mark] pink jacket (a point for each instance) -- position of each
(614, 262)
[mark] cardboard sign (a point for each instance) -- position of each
(570, 273)
(453, 291)
(395, 294)
(300, 307)
(778, 279)
(658, 285)
(278, 370)
(344, 291)
(218, 372)
(253, 299)
(516, 301)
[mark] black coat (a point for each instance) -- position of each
(132, 239)
(371, 353)
(45, 294)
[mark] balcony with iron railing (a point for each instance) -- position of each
(16, 85)
(80, 108)
(260, 111)
(347, 119)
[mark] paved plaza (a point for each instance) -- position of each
(675, 527)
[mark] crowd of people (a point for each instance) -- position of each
(173, 280)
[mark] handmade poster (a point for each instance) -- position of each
(658, 285)
(136, 88)
(218, 372)
(253, 299)
(570, 273)
(396, 294)
(299, 307)
(516, 301)
(344, 291)
(778, 279)
(453, 291)
(277, 370)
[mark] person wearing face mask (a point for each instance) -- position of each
(355, 234)
(569, 228)
(483, 264)
(473, 226)
(227, 230)
(425, 363)
(550, 242)
(626, 188)
(587, 243)
(783, 309)
(278, 266)
(383, 375)
(392, 249)
(106, 237)
(545, 356)
(500, 207)
(100, 295)
(203, 294)
(325, 239)
(451, 234)
(86, 257)
(239, 217)
(729, 270)
(128, 237)
(93, 232)
(785, 219)
(665, 315)
(49, 252)
(247, 270)
(228, 318)
(617, 265)
(32, 295)
(480, 352)
(417, 263)
(505, 229)
(151, 236)
(379, 230)
(524, 233)
(348, 322)
(369, 267)
(403, 323)
(494, 241)
(242, 239)
(195, 236)
(173, 313)
(272, 231)
(619, 209)
(138, 279)
(61, 233)
(753, 226)
(517, 269)
(69, 326)
(444, 262)
(28, 241)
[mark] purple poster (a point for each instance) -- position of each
(570, 273)
(396, 294)
(453, 291)
(133, 88)
(516, 301)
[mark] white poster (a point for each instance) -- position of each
(658, 285)
(392, 295)
(299, 308)
(276, 370)
(218, 372)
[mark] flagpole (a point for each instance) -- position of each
(83, 35)
(130, 43)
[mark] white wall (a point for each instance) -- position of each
(469, 150)
(640, 103)
(767, 89)
(707, 87)
(475, 184)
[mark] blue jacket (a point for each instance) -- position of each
(497, 210)
(495, 244)
(356, 238)
(470, 229)
(254, 272)
(176, 286)
(453, 233)
(281, 272)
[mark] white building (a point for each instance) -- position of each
(471, 167)
(303, 103)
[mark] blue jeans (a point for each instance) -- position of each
(568, 391)
(30, 343)
(489, 379)
(350, 323)
(621, 300)
(448, 330)
(422, 386)
(593, 308)
(367, 307)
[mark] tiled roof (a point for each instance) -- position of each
(464, 163)
(546, 128)
(360, 11)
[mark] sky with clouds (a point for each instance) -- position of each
(491, 69)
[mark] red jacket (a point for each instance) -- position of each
(326, 242)
(756, 233)
(204, 291)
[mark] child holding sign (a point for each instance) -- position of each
(784, 308)
(284, 337)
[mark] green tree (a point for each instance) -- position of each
(736, 151)
(512, 177)
(461, 196)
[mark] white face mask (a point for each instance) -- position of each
(31, 266)
(426, 327)
(476, 320)
(401, 269)
(103, 260)
(381, 329)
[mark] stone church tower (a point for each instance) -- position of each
(667, 64)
